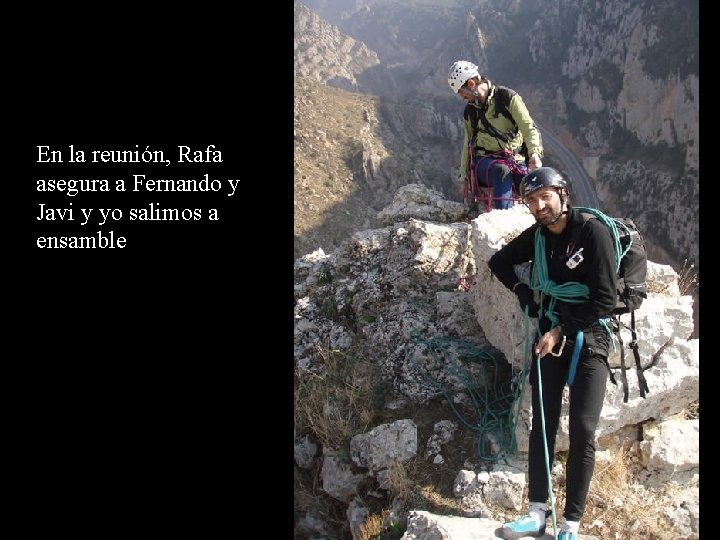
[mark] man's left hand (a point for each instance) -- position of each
(534, 162)
(548, 340)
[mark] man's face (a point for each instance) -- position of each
(545, 205)
(472, 90)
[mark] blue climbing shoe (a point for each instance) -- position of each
(567, 535)
(521, 527)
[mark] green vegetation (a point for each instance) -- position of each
(410, 22)
(625, 146)
(576, 118)
(413, 4)
(675, 53)
(608, 78)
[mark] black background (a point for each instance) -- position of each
(152, 384)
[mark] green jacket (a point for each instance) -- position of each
(487, 143)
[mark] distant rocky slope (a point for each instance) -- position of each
(325, 54)
(352, 153)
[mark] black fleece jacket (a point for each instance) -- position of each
(596, 270)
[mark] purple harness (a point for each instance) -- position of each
(504, 157)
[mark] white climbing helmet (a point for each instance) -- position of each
(460, 72)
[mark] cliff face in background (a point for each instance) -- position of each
(627, 90)
(616, 81)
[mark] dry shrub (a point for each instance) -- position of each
(381, 526)
(335, 403)
(618, 508)
(411, 484)
(371, 528)
(688, 279)
(331, 405)
(692, 411)
(309, 498)
(402, 486)
(416, 483)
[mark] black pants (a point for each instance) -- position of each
(586, 400)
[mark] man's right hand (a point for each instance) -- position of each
(463, 190)
(525, 297)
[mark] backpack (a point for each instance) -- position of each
(631, 288)
(503, 95)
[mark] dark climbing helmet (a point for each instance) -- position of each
(540, 178)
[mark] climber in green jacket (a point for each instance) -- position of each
(498, 131)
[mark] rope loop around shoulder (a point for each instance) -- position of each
(572, 291)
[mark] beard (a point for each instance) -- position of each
(548, 216)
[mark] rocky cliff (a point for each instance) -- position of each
(410, 360)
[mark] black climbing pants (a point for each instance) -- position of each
(586, 400)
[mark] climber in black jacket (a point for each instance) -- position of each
(575, 276)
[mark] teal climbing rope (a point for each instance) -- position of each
(458, 366)
(570, 292)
